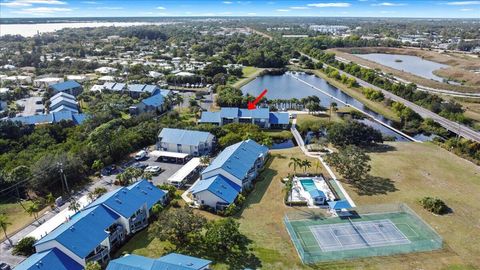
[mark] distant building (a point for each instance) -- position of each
(230, 172)
(63, 102)
(70, 87)
(78, 78)
(156, 103)
(329, 29)
(53, 117)
(133, 90)
(46, 82)
(106, 70)
(17, 79)
(192, 142)
(261, 117)
(91, 233)
(172, 261)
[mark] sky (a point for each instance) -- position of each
(320, 8)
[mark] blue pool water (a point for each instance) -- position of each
(308, 184)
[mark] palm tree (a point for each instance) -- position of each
(333, 107)
(148, 176)
(305, 164)
(294, 162)
(50, 200)
(205, 160)
(33, 210)
(74, 206)
(4, 223)
(288, 187)
(317, 166)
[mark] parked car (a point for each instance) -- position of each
(155, 170)
(4, 266)
(109, 170)
(141, 155)
(139, 165)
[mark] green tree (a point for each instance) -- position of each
(74, 206)
(98, 165)
(4, 223)
(294, 162)
(305, 164)
(351, 162)
(93, 266)
(25, 246)
(222, 238)
(50, 200)
(179, 226)
(205, 160)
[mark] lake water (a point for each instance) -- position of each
(287, 87)
(408, 63)
(29, 30)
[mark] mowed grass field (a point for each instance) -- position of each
(17, 216)
(249, 73)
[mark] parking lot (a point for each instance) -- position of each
(168, 169)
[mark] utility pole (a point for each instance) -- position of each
(63, 178)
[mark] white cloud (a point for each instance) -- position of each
(90, 2)
(282, 10)
(466, 9)
(463, 3)
(387, 12)
(251, 14)
(299, 8)
(39, 11)
(227, 2)
(322, 5)
(161, 8)
(27, 3)
(388, 4)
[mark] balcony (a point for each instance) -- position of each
(100, 256)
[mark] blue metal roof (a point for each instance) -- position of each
(155, 100)
(338, 205)
(220, 186)
(173, 261)
(63, 95)
(257, 113)
(63, 86)
(316, 193)
(122, 201)
(147, 192)
(210, 117)
(53, 117)
(114, 86)
(48, 260)
(143, 88)
(84, 232)
(279, 118)
(165, 92)
(185, 261)
(34, 119)
(238, 159)
(54, 102)
(226, 112)
(183, 136)
(64, 108)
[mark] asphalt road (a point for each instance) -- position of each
(452, 126)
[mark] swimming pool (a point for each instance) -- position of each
(308, 184)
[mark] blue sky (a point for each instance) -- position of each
(329, 8)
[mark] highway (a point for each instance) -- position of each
(461, 130)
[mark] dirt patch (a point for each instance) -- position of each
(462, 67)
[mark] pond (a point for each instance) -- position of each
(287, 87)
(407, 63)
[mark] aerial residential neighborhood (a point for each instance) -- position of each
(196, 135)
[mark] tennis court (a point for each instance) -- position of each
(394, 229)
(353, 235)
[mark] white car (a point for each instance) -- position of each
(141, 155)
(155, 170)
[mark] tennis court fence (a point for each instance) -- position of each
(378, 230)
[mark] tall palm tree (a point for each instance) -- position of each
(205, 160)
(33, 210)
(50, 200)
(148, 176)
(4, 223)
(294, 162)
(306, 164)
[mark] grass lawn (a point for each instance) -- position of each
(249, 73)
(423, 169)
(17, 215)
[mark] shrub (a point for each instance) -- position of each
(24, 247)
(434, 205)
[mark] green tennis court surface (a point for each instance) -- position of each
(396, 231)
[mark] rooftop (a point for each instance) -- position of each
(63, 86)
(183, 136)
(219, 185)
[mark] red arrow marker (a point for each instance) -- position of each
(252, 105)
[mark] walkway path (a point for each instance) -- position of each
(301, 144)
